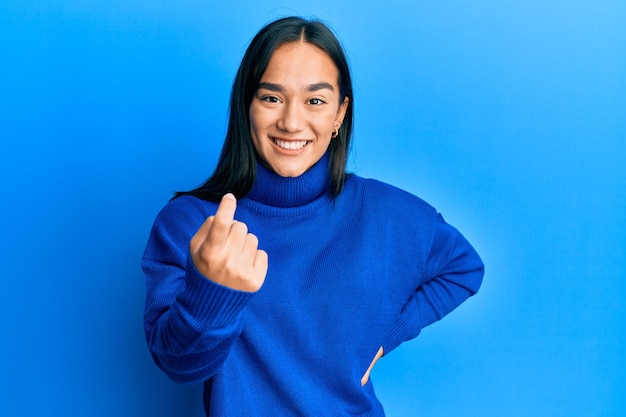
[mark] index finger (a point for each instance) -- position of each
(224, 218)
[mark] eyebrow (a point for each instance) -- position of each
(313, 87)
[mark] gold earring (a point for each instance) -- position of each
(335, 131)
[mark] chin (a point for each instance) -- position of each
(289, 171)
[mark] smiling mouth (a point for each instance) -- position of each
(290, 145)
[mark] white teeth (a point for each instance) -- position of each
(291, 145)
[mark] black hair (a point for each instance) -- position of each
(236, 168)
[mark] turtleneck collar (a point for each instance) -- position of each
(271, 189)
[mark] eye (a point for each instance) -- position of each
(316, 101)
(270, 99)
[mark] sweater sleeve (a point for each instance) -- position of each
(190, 322)
(453, 272)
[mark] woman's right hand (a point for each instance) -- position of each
(224, 252)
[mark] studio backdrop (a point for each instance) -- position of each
(509, 117)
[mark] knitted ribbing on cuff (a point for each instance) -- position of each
(402, 331)
(215, 304)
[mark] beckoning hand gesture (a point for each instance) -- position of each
(224, 251)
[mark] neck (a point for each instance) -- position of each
(272, 189)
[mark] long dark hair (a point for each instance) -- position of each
(236, 168)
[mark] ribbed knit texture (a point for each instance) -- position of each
(370, 268)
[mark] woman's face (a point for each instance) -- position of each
(296, 108)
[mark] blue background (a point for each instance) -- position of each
(508, 116)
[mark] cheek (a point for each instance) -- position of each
(259, 119)
(254, 132)
(253, 115)
(325, 121)
(329, 124)
(256, 124)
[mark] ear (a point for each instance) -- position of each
(341, 111)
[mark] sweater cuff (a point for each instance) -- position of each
(214, 304)
(402, 331)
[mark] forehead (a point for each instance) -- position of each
(299, 64)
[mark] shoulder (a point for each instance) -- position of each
(386, 195)
(185, 211)
(174, 226)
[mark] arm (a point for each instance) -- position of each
(453, 272)
(191, 321)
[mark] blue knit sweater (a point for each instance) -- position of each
(369, 268)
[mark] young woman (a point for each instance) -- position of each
(282, 280)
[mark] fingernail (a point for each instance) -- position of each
(230, 195)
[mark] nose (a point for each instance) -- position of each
(292, 118)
